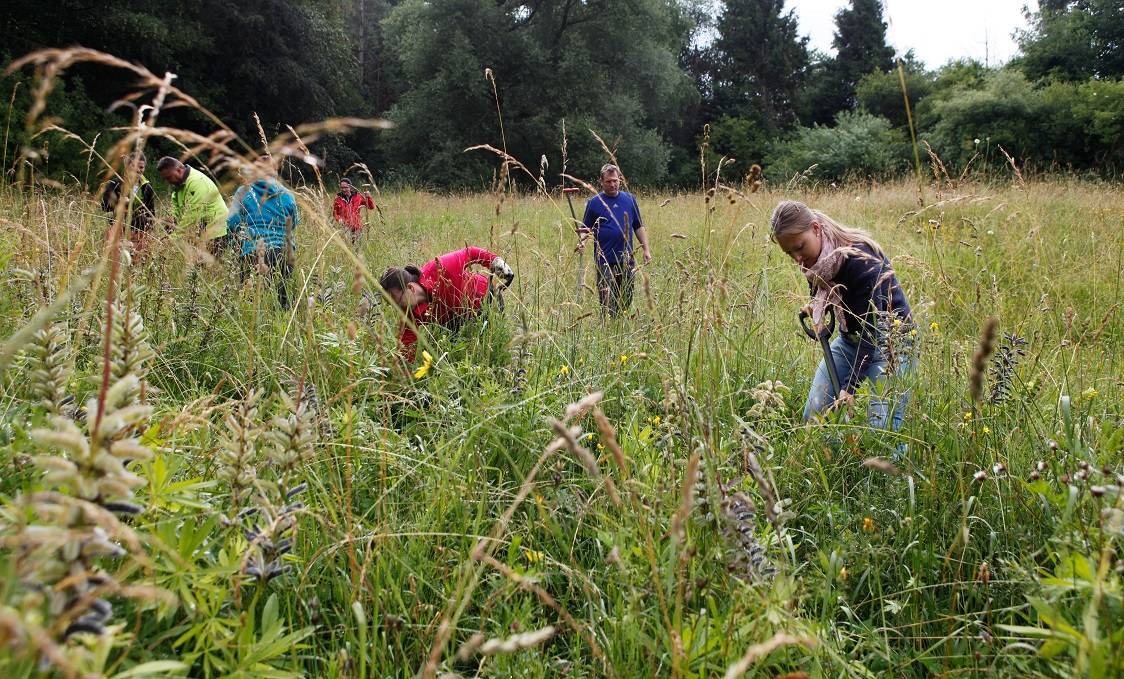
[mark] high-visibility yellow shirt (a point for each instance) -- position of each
(198, 206)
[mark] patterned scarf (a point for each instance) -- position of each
(821, 274)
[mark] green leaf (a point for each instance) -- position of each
(1075, 566)
(1036, 632)
(269, 621)
(1052, 648)
(1052, 617)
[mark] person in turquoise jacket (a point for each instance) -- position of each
(197, 205)
(263, 216)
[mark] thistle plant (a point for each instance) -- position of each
(1003, 365)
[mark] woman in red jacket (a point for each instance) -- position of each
(443, 290)
(347, 205)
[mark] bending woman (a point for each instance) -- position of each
(847, 270)
(443, 290)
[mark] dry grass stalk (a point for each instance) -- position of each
(609, 439)
(517, 642)
(687, 499)
(548, 601)
(757, 651)
(1015, 167)
(580, 408)
(979, 359)
(568, 436)
(881, 464)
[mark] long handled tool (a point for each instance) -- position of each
(824, 337)
(581, 241)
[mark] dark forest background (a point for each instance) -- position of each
(651, 77)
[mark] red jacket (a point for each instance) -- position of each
(454, 292)
(346, 210)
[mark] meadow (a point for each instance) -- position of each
(555, 493)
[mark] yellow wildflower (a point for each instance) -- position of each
(986, 430)
(624, 359)
(1089, 394)
(600, 447)
(868, 524)
(935, 327)
(427, 363)
(533, 556)
(968, 416)
(564, 370)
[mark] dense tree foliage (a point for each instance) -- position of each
(860, 49)
(646, 76)
(1074, 40)
(549, 61)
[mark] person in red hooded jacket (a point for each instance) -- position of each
(347, 205)
(444, 290)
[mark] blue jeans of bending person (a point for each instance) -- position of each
(879, 414)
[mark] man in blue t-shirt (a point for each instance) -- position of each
(613, 216)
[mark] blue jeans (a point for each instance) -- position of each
(821, 395)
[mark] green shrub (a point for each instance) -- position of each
(1005, 111)
(860, 145)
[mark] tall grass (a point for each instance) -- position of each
(562, 494)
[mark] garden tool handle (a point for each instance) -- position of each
(828, 329)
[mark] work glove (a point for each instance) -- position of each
(501, 270)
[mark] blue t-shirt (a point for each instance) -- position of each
(613, 221)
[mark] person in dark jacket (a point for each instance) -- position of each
(140, 213)
(347, 206)
(263, 216)
(848, 271)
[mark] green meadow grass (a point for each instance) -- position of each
(438, 508)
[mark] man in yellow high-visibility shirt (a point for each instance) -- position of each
(197, 204)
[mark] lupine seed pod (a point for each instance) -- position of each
(238, 452)
(291, 440)
(749, 558)
(130, 354)
(1003, 365)
(51, 367)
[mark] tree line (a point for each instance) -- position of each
(668, 86)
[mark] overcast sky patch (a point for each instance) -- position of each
(937, 31)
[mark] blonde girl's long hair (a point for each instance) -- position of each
(792, 216)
